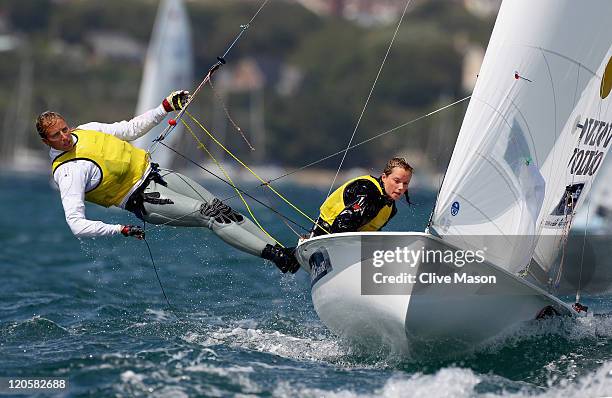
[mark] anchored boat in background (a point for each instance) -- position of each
(536, 132)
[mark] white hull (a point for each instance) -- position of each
(459, 314)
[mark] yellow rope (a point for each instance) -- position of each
(266, 183)
(203, 147)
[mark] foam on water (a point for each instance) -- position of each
(181, 375)
(458, 383)
(451, 382)
(587, 327)
(217, 377)
(271, 342)
(160, 315)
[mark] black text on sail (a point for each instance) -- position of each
(594, 138)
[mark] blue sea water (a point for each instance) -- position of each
(92, 311)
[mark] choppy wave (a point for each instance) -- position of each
(36, 328)
(458, 382)
(271, 342)
(216, 380)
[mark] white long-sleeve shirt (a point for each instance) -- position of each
(76, 178)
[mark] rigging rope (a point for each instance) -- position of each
(570, 205)
(244, 28)
(582, 255)
(203, 147)
(220, 62)
(392, 130)
(229, 117)
(283, 220)
(369, 96)
(144, 225)
(241, 190)
(252, 172)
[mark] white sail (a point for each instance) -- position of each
(168, 67)
(538, 124)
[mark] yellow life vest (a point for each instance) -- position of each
(333, 206)
(121, 164)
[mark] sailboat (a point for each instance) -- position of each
(537, 129)
(168, 67)
(18, 147)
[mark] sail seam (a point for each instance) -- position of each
(535, 153)
(566, 58)
(479, 211)
(494, 165)
(499, 112)
(554, 151)
(577, 84)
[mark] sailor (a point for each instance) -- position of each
(95, 162)
(365, 203)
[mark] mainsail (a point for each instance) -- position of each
(168, 67)
(535, 134)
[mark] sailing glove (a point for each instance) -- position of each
(133, 230)
(176, 100)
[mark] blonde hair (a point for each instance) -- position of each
(44, 120)
(396, 162)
